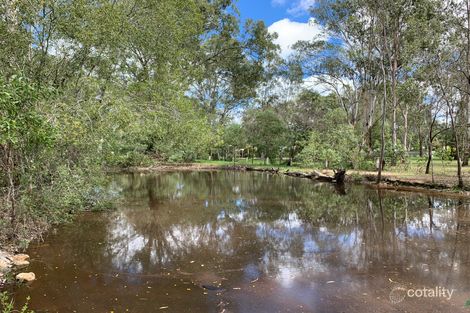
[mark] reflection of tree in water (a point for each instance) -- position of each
(287, 234)
(285, 227)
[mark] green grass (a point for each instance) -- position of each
(418, 166)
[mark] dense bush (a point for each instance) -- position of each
(335, 144)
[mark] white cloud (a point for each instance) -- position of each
(290, 32)
(300, 7)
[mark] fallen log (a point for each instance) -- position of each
(296, 174)
(338, 177)
(235, 168)
(266, 170)
(322, 177)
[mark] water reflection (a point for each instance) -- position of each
(272, 243)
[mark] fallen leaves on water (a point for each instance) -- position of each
(163, 307)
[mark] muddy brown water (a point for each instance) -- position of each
(252, 242)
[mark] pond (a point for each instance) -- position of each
(220, 241)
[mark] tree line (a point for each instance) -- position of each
(397, 81)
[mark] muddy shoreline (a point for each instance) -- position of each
(358, 177)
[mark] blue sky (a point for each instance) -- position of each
(288, 18)
(270, 11)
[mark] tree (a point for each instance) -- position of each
(232, 65)
(335, 143)
(369, 54)
(234, 138)
(302, 115)
(265, 131)
(24, 133)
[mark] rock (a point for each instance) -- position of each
(20, 257)
(20, 263)
(26, 277)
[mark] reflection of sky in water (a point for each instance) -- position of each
(274, 243)
(284, 247)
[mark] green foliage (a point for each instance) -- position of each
(467, 303)
(335, 144)
(236, 65)
(234, 136)
(265, 131)
(443, 153)
(365, 164)
(181, 130)
(21, 125)
(112, 84)
(7, 304)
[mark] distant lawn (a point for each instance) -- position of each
(417, 165)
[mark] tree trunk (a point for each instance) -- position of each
(405, 129)
(428, 163)
(9, 167)
(384, 107)
(456, 138)
(466, 143)
(421, 152)
(394, 70)
(339, 176)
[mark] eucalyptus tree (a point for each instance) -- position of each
(457, 19)
(371, 49)
(232, 63)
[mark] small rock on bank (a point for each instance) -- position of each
(20, 263)
(20, 257)
(7, 261)
(26, 277)
(20, 260)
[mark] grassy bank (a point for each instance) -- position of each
(444, 172)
